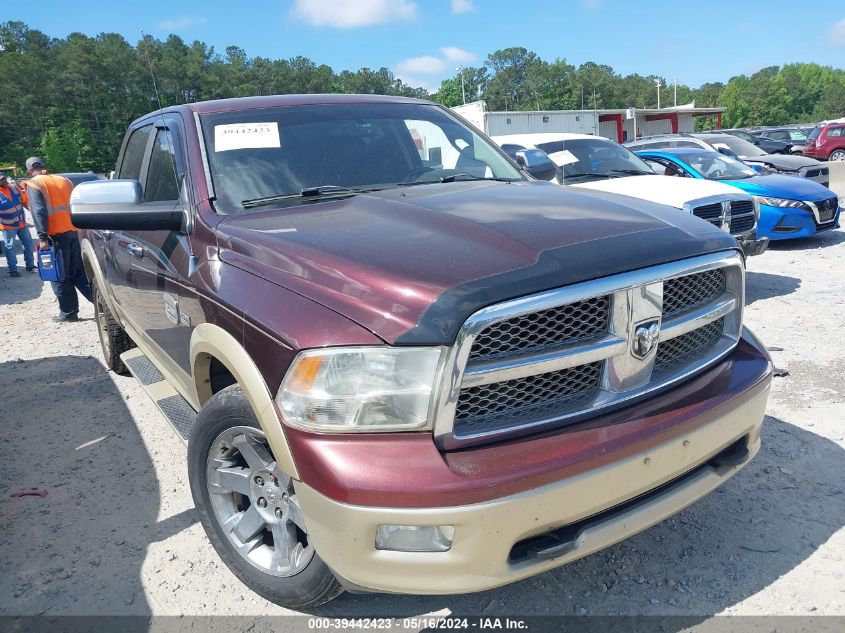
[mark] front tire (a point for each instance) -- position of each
(113, 338)
(249, 508)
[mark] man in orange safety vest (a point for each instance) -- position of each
(49, 203)
(13, 225)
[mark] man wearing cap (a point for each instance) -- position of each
(13, 223)
(49, 202)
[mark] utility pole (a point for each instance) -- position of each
(676, 92)
(657, 83)
(460, 69)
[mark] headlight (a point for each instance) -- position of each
(359, 389)
(779, 202)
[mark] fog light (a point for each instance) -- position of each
(415, 538)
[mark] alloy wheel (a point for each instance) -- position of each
(255, 504)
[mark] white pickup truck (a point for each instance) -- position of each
(594, 162)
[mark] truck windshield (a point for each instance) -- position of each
(277, 153)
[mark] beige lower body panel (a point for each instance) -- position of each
(344, 535)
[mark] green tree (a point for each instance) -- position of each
(510, 85)
(597, 86)
(450, 93)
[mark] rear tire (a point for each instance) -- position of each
(249, 508)
(113, 338)
(837, 156)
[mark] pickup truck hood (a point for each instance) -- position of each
(670, 190)
(411, 264)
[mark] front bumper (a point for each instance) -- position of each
(814, 152)
(751, 246)
(617, 495)
(779, 223)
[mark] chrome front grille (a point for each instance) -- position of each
(710, 212)
(499, 404)
(735, 216)
(563, 355)
(689, 291)
(564, 325)
(684, 349)
(825, 210)
(743, 217)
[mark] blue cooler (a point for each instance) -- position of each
(49, 264)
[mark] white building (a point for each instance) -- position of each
(612, 124)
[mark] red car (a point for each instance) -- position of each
(827, 141)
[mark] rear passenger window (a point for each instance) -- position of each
(162, 183)
(133, 157)
(835, 131)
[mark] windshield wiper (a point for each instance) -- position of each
(454, 177)
(308, 192)
(586, 174)
(630, 172)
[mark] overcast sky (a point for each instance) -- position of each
(423, 41)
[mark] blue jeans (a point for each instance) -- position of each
(11, 254)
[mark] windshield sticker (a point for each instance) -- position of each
(562, 158)
(246, 136)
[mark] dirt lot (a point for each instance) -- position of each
(116, 532)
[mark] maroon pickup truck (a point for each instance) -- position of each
(402, 365)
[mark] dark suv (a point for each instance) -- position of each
(793, 137)
(768, 145)
(401, 365)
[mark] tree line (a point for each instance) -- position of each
(70, 99)
(518, 79)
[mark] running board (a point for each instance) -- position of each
(174, 407)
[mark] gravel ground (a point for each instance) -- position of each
(116, 533)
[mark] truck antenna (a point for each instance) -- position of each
(160, 107)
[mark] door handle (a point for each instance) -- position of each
(135, 249)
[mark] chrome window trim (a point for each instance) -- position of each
(456, 376)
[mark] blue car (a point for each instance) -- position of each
(790, 207)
